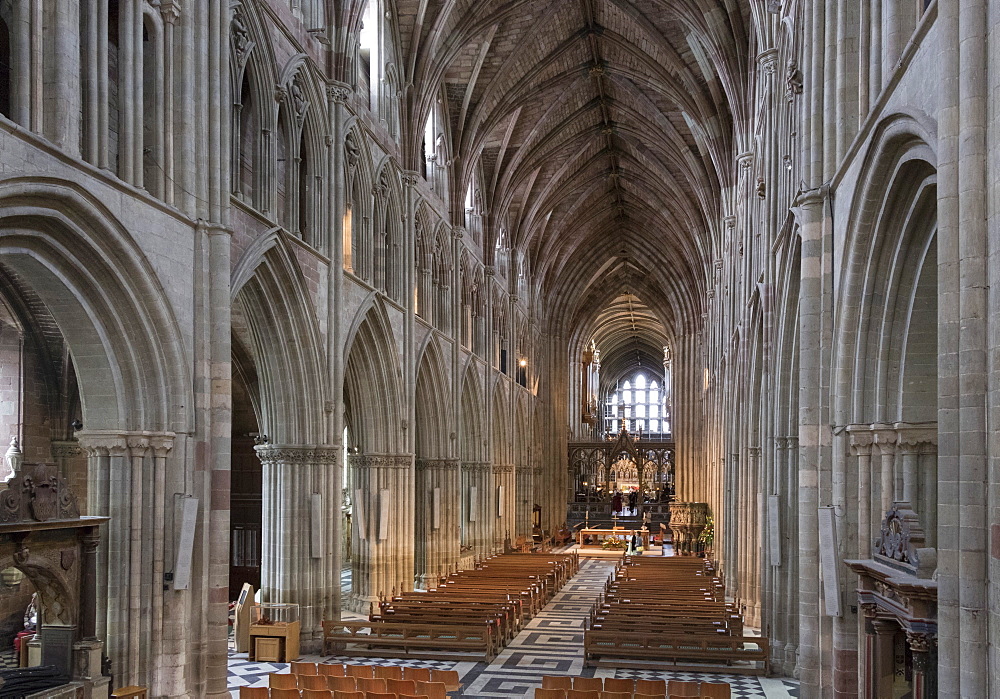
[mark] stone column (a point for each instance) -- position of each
(861, 446)
(885, 439)
(503, 504)
(525, 500)
(437, 512)
(383, 528)
(294, 557)
(477, 494)
(912, 440)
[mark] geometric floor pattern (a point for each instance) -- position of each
(549, 644)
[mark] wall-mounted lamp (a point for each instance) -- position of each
(523, 363)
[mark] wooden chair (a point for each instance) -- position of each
(543, 693)
(303, 669)
(657, 688)
(619, 685)
(316, 694)
(331, 670)
(677, 688)
(583, 694)
(359, 671)
(370, 685)
(337, 694)
(254, 693)
(283, 681)
(450, 679)
(342, 684)
(433, 690)
(380, 695)
(588, 684)
(401, 686)
(639, 695)
(389, 672)
(320, 682)
(417, 674)
(616, 695)
(284, 693)
(411, 696)
(557, 682)
(715, 690)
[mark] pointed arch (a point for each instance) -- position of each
(282, 335)
(372, 383)
(432, 403)
(471, 437)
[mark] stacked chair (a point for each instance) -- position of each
(561, 687)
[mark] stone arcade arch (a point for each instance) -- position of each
(886, 370)
(381, 477)
(438, 472)
(135, 397)
(270, 302)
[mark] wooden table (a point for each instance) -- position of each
(601, 534)
(285, 637)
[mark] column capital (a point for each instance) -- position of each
(885, 435)
(912, 437)
(162, 444)
(861, 438)
(443, 465)
(298, 455)
(920, 642)
(138, 444)
(103, 442)
(338, 92)
(382, 461)
(503, 468)
(476, 466)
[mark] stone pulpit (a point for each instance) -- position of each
(687, 521)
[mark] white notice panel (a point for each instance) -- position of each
(829, 560)
(499, 501)
(383, 514)
(359, 515)
(316, 531)
(436, 509)
(774, 530)
(472, 503)
(185, 543)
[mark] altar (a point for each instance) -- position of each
(599, 535)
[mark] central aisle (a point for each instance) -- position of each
(549, 644)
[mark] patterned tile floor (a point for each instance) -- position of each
(550, 644)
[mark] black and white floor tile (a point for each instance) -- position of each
(549, 644)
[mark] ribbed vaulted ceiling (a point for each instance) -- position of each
(604, 129)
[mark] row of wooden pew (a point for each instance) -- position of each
(471, 614)
(670, 609)
(558, 687)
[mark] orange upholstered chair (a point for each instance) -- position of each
(449, 677)
(254, 693)
(401, 686)
(678, 688)
(359, 671)
(557, 682)
(331, 670)
(656, 688)
(543, 693)
(590, 684)
(276, 681)
(623, 684)
(715, 690)
(303, 669)
(433, 690)
(417, 674)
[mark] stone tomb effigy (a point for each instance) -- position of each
(44, 537)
